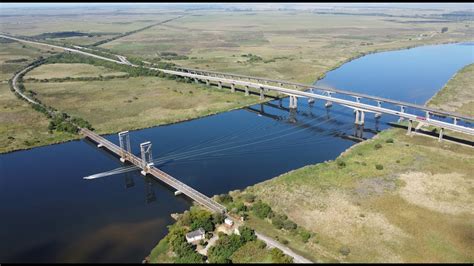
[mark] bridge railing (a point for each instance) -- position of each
(340, 91)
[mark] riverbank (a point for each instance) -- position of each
(393, 198)
(112, 121)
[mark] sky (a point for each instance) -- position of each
(336, 4)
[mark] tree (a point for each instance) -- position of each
(261, 209)
(203, 219)
(218, 218)
(247, 234)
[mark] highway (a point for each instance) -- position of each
(292, 92)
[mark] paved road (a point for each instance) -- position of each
(272, 243)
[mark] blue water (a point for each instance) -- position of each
(50, 214)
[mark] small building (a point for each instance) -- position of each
(228, 222)
(195, 235)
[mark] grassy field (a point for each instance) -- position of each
(394, 198)
(457, 94)
(21, 127)
(114, 105)
(50, 71)
(292, 45)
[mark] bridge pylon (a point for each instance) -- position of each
(125, 149)
(147, 158)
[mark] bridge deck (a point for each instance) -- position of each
(162, 176)
(345, 92)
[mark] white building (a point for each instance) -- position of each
(195, 235)
(228, 222)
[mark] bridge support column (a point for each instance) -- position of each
(410, 125)
(147, 158)
(219, 84)
(196, 80)
(293, 102)
(455, 120)
(208, 82)
(262, 96)
(125, 150)
(441, 132)
(328, 103)
(247, 91)
(402, 110)
(232, 87)
(427, 115)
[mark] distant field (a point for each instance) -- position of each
(298, 46)
(98, 23)
(49, 71)
(133, 103)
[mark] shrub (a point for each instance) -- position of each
(378, 146)
(225, 198)
(378, 166)
(289, 225)
(390, 140)
(341, 163)
(279, 257)
(344, 250)
(305, 235)
(249, 197)
(261, 210)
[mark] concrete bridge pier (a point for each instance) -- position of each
(410, 125)
(247, 91)
(359, 117)
(232, 87)
(455, 120)
(293, 102)
(208, 82)
(219, 84)
(402, 110)
(427, 115)
(196, 80)
(262, 96)
(441, 133)
(328, 103)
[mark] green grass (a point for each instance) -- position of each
(159, 254)
(114, 105)
(50, 71)
(21, 127)
(251, 252)
(345, 208)
(457, 93)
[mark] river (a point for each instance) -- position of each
(49, 213)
